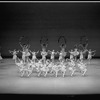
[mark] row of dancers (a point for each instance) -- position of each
(26, 53)
(43, 65)
(49, 67)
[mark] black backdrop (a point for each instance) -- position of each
(33, 20)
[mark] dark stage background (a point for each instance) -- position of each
(51, 19)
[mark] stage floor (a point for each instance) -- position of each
(11, 82)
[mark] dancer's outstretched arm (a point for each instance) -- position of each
(94, 51)
(30, 51)
(20, 44)
(93, 54)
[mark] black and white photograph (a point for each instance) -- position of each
(50, 47)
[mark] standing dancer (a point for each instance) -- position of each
(25, 52)
(75, 53)
(62, 54)
(71, 54)
(43, 54)
(34, 55)
(81, 53)
(52, 55)
(90, 54)
(23, 55)
(24, 43)
(62, 42)
(44, 43)
(14, 53)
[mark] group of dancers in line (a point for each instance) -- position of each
(44, 66)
